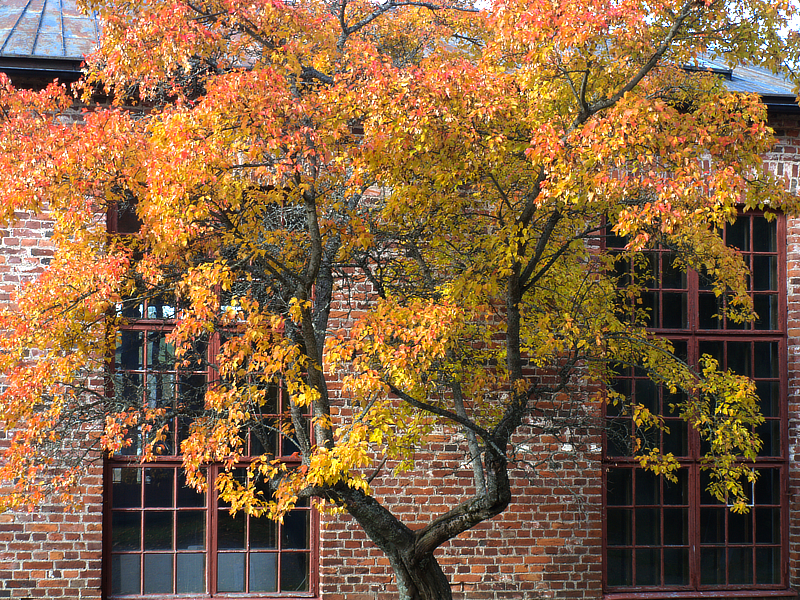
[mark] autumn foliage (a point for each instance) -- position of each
(462, 166)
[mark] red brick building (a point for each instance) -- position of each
(587, 524)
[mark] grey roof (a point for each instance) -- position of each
(747, 79)
(46, 29)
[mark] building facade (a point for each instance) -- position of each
(586, 524)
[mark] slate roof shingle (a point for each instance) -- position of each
(46, 29)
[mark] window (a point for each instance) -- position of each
(676, 537)
(162, 537)
(166, 538)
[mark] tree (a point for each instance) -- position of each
(462, 166)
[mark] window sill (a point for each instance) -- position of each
(690, 595)
(221, 596)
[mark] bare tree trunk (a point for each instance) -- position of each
(411, 552)
(419, 578)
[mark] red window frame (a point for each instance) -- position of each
(690, 545)
(171, 518)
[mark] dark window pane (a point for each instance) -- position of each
(704, 281)
(230, 572)
(646, 264)
(192, 393)
(619, 526)
(126, 488)
(681, 349)
(130, 355)
(264, 438)
(187, 496)
(288, 447)
(190, 402)
(671, 277)
(619, 567)
(158, 573)
(127, 220)
(128, 389)
(264, 572)
(648, 528)
(712, 566)
(713, 349)
(648, 566)
(768, 565)
(190, 530)
(612, 239)
(126, 529)
(768, 525)
(619, 487)
(294, 531)
(739, 357)
(676, 526)
(737, 234)
(158, 530)
(646, 394)
(131, 309)
(195, 357)
(160, 353)
(730, 324)
(161, 390)
(677, 493)
(740, 565)
(740, 528)
(160, 308)
(712, 525)
(675, 312)
(648, 315)
(769, 393)
(263, 533)
(294, 572)
(765, 235)
(770, 434)
(708, 312)
(230, 531)
(191, 573)
(647, 488)
(767, 360)
(768, 486)
(623, 387)
(271, 400)
(765, 273)
(676, 566)
(125, 574)
(766, 307)
(158, 487)
(677, 439)
(705, 495)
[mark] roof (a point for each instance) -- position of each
(54, 29)
(776, 91)
(42, 40)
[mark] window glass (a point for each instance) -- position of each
(662, 535)
(165, 537)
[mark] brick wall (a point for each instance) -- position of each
(52, 552)
(547, 544)
(785, 161)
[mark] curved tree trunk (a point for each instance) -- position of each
(420, 578)
(418, 574)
